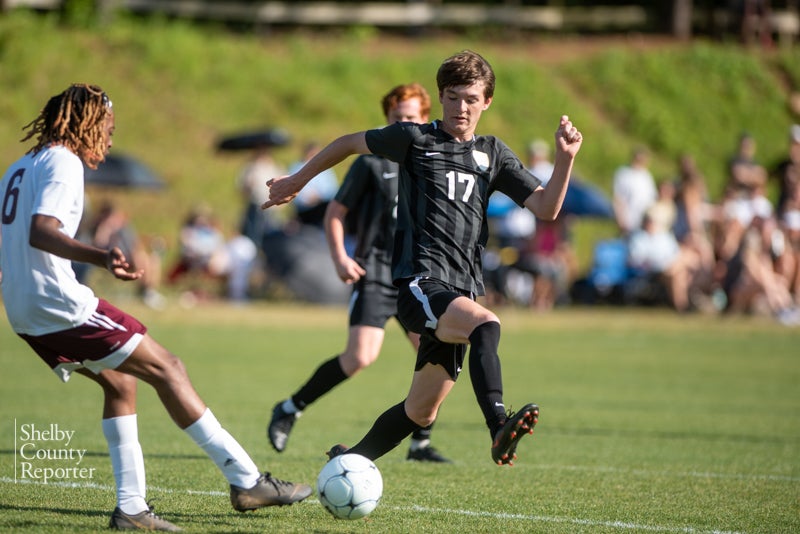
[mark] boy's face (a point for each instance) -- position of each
(409, 110)
(109, 125)
(462, 106)
(92, 160)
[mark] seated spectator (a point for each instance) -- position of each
(744, 198)
(549, 256)
(112, 228)
(655, 252)
(751, 283)
(788, 263)
(204, 249)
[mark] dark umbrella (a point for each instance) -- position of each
(302, 262)
(586, 200)
(273, 137)
(119, 170)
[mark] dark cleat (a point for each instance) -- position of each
(336, 450)
(516, 426)
(280, 426)
(427, 454)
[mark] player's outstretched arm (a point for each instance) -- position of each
(46, 235)
(285, 188)
(546, 202)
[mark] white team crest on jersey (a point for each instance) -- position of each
(481, 159)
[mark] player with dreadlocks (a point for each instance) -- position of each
(74, 331)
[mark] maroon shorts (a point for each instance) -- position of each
(104, 341)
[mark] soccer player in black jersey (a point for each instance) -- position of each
(369, 195)
(447, 174)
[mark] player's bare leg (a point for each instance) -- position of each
(429, 387)
(250, 489)
(120, 429)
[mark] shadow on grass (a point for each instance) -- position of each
(209, 522)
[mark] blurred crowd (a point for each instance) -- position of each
(675, 246)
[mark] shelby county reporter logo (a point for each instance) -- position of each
(47, 453)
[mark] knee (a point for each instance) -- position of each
(354, 361)
(172, 368)
(118, 385)
(421, 415)
(166, 370)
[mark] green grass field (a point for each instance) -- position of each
(650, 422)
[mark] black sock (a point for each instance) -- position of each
(325, 378)
(421, 434)
(391, 427)
(484, 371)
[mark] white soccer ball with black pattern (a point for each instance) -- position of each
(350, 486)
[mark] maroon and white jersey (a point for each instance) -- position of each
(40, 292)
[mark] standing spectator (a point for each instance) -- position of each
(694, 218)
(312, 201)
(74, 331)
(369, 193)
(447, 174)
(634, 191)
(752, 20)
(261, 167)
(788, 170)
(693, 210)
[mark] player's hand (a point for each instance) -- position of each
(118, 265)
(280, 191)
(349, 270)
(568, 137)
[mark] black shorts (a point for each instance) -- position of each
(420, 303)
(372, 304)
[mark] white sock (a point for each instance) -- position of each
(417, 444)
(289, 407)
(127, 462)
(227, 454)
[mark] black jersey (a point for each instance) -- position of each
(443, 193)
(369, 192)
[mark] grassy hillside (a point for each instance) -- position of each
(177, 88)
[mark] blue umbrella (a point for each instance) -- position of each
(582, 200)
(586, 200)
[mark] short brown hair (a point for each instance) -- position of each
(466, 68)
(401, 93)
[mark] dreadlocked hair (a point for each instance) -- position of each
(74, 119)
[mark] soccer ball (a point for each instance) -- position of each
(349, 486)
